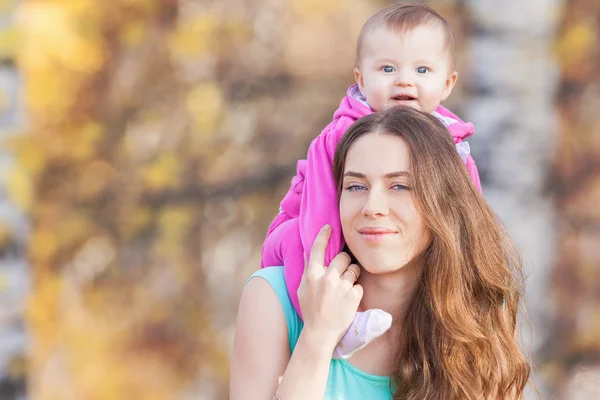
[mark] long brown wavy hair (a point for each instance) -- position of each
(459, 334)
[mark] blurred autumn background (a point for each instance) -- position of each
(145, 145)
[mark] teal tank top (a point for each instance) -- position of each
(345, 381)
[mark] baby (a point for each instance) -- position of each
(405, 56)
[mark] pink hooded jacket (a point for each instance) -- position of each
(312, 200)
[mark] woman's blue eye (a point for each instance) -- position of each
(422, 70)
(354, 188)
(400, 187)
(388, 69)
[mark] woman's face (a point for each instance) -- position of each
(381, 224)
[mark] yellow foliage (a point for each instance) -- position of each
(54, 35)
(576, 43)
(143, 6)
(5, 234)
(237, 29)
(8, 42)
(41, 312)
(94, 341)
(72, 227)
(133, 34)
(43, 244)
(163, 173)
(83, 144)
(174, 223)
(94, 178)
(205, 104)
(193, 38)
(49, 95)
(20, 188)
(30, 156)
(57, 48)
(17, 367)
(6, 5)
(93, 358)
(139, 219)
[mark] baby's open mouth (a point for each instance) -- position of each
(403, 97)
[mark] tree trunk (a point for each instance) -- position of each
(572, 355)
(511, 80)
(114, 141)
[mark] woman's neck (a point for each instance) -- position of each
(391, 292)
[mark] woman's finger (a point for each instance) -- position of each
(317, 252)
(351, 273)
(339, 263)
(356, 293)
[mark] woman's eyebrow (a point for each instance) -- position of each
(355, 174)
(389, 175)
(397, 174)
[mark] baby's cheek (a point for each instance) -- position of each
(379, 102)
(386, 104)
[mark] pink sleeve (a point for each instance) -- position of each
(320, 196)
(311, 202)
(289, 209)
(473, 173)
(290, 205)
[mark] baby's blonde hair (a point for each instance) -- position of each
(403, 17)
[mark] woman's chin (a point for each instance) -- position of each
(381, 267)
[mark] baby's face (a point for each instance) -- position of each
(412, 69)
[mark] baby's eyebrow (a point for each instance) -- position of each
(428, 62)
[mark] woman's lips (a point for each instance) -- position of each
(376, 235)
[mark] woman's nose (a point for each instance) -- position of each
(375, 205)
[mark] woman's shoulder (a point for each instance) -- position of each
(275, 277)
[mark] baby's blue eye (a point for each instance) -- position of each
(388, 69)
(422, 70)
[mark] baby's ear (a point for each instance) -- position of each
(359, 78)
(450, 82)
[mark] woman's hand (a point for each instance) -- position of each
(329, 297)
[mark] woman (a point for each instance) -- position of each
(424, 246)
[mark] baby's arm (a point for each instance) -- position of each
(320, 193)
(284, 247)
(473, 173)
(290, 205)
(301, 210)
